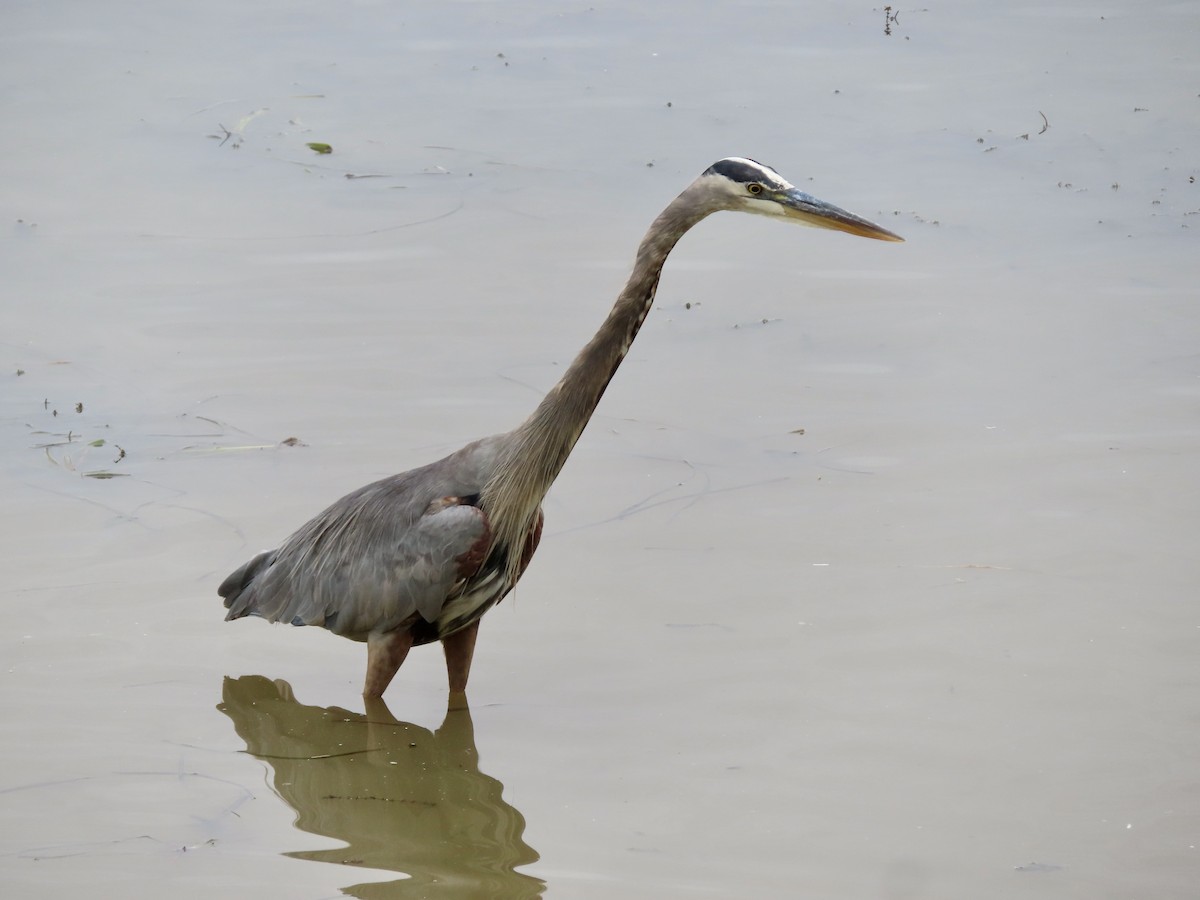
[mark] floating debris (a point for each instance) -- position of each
(1038, 867)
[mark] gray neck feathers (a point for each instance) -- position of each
(537, 449)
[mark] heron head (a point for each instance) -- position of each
(749, 186)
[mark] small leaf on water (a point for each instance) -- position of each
(98, 442)
(104, 475)
(318, 147)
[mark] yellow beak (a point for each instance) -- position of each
(808, 210)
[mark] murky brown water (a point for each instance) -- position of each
(940, 644)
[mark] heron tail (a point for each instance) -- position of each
(237, 599)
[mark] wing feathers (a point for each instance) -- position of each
(360, 567)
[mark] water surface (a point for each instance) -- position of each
(874, 575)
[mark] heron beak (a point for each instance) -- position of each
(808, 210)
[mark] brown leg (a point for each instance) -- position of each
(385, 653)
(459, 648)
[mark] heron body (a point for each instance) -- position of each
(421, 556)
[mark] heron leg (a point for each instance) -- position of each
(385, 653)
(460, 647)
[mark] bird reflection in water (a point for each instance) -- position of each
(401, 797)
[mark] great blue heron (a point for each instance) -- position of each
(420, 557)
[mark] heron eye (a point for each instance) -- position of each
(754, 188)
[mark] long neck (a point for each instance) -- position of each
(539, 447)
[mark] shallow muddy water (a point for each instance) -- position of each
(873, 577)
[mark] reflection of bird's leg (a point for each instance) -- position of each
(457, 732)
(381, 723)
(459, 648)
(385, 653)
(377, 711)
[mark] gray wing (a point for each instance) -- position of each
(376, 559)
